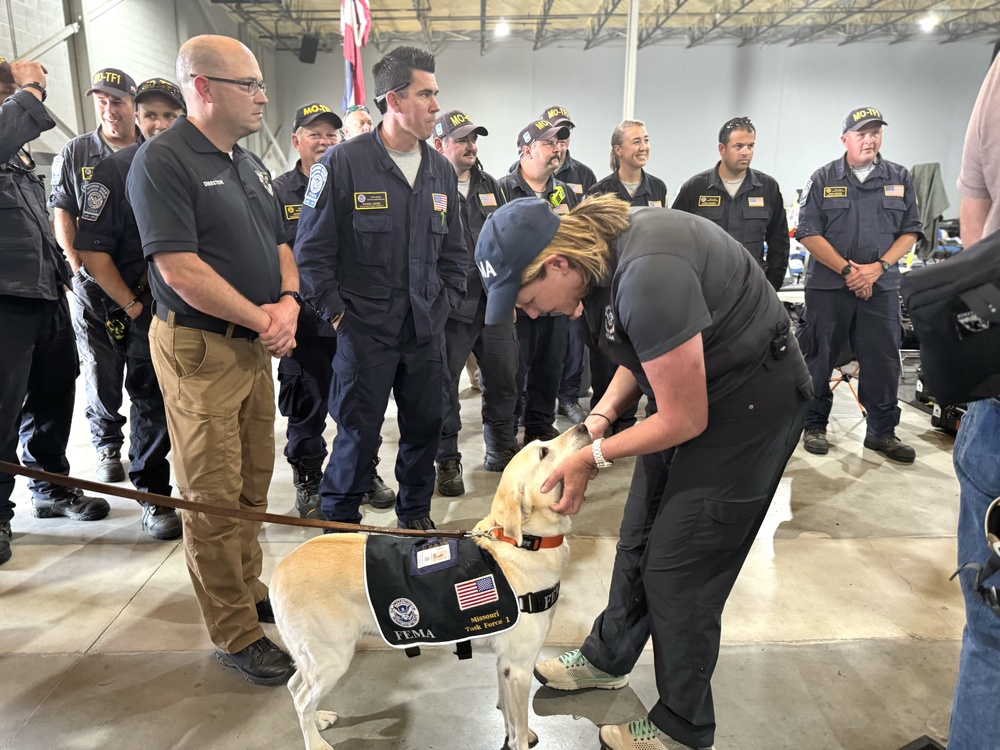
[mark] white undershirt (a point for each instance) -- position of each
(408, 162)
(732, 186)
(631, 187)
(463, 186)
(862, 174)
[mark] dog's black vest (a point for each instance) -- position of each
(437, 591)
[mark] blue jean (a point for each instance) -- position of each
(975, 718)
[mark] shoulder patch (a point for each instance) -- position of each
(57, 165)
(265, 180)
(318, 176)
(804, 198)
(95, 197)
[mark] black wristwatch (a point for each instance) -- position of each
(38, 87)
(294, 295)
(846, 270)
(885, 265)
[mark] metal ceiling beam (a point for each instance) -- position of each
(594, 26)
(543, 10)
(423, 10)
(482, 28)
(775, 18)
(911, 7)
(653, 24)
(834, 19)
(721, 13)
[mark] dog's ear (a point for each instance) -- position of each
(509, 510)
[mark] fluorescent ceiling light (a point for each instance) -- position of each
(928, 22)
(501, 29)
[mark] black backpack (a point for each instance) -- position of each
(955, 309)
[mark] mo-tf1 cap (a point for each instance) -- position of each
(513, 236)
(557, 116)
(160, 87)
(540, 130)
(6, 76)
(313, 111)
(456, 124)
(858, 118)
(113, 82)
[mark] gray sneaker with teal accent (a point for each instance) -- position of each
(572, 671)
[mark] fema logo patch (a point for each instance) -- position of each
(265, 180)
(57, 165)
(609, 323)
(318, 176)
(94, 199)
(439, 129)
(404, 613)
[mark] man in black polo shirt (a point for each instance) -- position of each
(495, 346)
(225, 292)
(542, 340)
(38, 376)
(304, 376)
(744, 202)
(103, 364)
(110, 250)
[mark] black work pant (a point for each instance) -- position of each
(304, 378)
(102, 363)
(542, 343)
(365, 371)
(577, 336)
(833, 317)
(497, 353)
(690, 519)
(149, 440)
(37, 388)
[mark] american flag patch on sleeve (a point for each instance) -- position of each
(478, 591)
(440, 201)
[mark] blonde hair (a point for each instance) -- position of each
(618, 138)
(583, 238)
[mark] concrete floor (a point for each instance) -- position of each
(843, 630)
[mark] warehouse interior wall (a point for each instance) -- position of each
(796, 96)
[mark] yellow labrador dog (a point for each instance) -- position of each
(321, 609)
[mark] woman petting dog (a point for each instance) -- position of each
(691, 321)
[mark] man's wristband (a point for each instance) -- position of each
(37, 87)
(135, 301)
(885, 265)
(294, 295)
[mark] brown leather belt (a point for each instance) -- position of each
(216, 510)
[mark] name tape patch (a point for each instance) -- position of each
(837, 191)
(370, 200)
(709, 201)
(318, 176)
(293, 211)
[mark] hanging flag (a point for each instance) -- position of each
(355, 24)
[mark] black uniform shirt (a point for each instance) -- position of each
(675, 275)
(652, 191)
(291, 189)
(383, 252)
(31, 264)
(107, 223)
(577, 175)
(74, 167)
(557, 193)
(484, 198)
(860, 219)
(755, 215)
(188, 196)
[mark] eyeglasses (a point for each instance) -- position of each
(358, 108)
(251, 87)
(381, 98)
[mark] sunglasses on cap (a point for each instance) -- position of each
(357, 108)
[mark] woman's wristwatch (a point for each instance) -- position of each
(599, 459)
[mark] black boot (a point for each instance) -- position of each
(306, 475)
(449, 478)
(379, 495)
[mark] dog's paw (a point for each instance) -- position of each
(325, 719)
(532, 740)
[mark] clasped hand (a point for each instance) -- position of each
(279, 338)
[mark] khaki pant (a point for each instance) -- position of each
(219, 399)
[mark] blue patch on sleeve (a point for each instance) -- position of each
(317, 181)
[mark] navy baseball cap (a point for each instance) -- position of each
(513, 236)
(558, 116)
(160, 87)
(858, 118)
(113, 82)
(313, 111)
(540, 130)
(456, 124)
